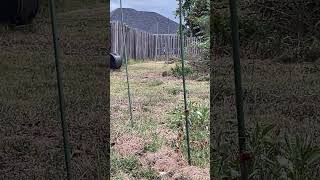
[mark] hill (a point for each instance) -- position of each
(146, 21)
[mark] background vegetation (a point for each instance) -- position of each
(279, 43)
(285, 29)
(196, 15)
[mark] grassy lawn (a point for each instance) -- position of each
(157, 104)
(280, 100)
(31, 135)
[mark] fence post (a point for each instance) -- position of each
(238, 87)
(144, 45)
(60, 89)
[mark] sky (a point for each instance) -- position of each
(163, 7)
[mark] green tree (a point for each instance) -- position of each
(196, 15)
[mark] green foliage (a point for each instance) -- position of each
(271, 158)
(196, 15)
(300, 158)
(270, 28)
(173, 91)
(149, 174)
(198, 115)
(197, 18)
(199, 131)
(155, 144)
(178, 71)
(156, 82)
(130, 165)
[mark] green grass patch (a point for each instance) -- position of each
(149, 174)
(271, 157)
(199, 131)
(131, 166)
(132, 62)
(173, 90)
(155, 82)
(155, 144)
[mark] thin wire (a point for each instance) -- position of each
(60, 90)
(184, 85)
(126, 61)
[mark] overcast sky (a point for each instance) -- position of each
(163, 7)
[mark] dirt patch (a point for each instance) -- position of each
(165, 160)
(166, 164)
(127, 177)
(192, 173)
(171, 165)
(153, 112)
(129, 145)
(168, 134)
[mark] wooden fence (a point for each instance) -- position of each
(143, 45)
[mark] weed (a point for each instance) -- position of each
(127, 164)
(178, 71)
(173, 91)
(145, 109)
(270, 158)
(204, 78)
(130, 165)
(149, 174)
(156, 143)
(152, 102)
(155, 82)
(199, 131)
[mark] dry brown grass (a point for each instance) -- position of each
(31, 146)
(154, 97)
(286, 95)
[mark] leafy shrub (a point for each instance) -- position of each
(178, 71)
(198, 131)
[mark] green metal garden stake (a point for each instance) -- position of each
(126, 61)
(60, 90)
(238, 86)
(186, 111)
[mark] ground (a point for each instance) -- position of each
(31, 135)
(149, 149)
(284, 95)
(274, 92)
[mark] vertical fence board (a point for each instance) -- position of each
(143, 45)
